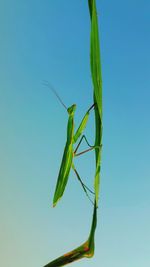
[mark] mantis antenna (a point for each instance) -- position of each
(46, 83)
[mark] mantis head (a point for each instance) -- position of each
(71, 109)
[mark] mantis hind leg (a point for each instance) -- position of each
(85, 187)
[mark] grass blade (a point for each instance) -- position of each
(86, 250)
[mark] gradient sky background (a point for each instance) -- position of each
(50, 40)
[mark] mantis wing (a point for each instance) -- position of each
(63, 173)
(66, 162)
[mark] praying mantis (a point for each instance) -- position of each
(69, 153)
(87, 248)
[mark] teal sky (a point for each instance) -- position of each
(49, 40)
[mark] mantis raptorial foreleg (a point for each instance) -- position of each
(82, 125)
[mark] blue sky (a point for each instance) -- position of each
(50, 40)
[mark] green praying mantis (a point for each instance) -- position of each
(69, 153)
(87, 248)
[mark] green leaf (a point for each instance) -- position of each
(97, 84)
(95, 57)
(86, 250)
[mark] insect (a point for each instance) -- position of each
(69, 152)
